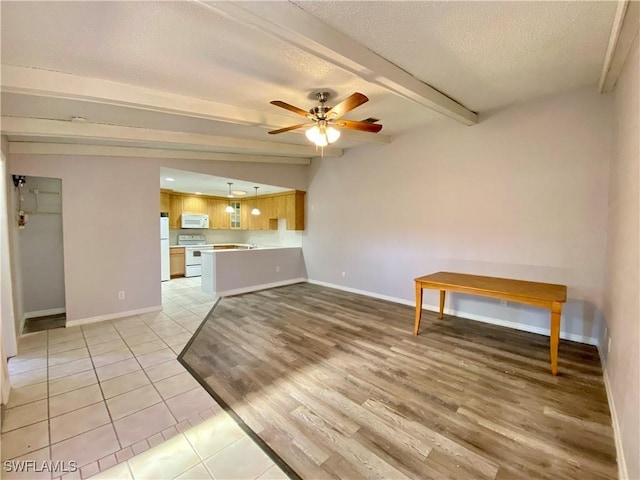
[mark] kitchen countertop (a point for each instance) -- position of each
(244, 249)
(243, 246)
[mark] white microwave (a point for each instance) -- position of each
(195, 221)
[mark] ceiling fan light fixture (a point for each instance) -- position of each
(333, 134)
(322, 135)
(318, 136)
(313, 133)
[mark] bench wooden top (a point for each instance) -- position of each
(479, 285)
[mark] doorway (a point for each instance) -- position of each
(40, 255)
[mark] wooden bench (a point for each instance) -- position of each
(545, 295)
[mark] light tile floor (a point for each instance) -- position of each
(112, 397)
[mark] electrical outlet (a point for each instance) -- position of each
(344, 274)
(609, 346)
(277, 269)
(121, 295)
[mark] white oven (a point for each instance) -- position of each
(193, 246)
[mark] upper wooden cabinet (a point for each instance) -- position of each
(195, 204)
(267, 220)
(218, 218)
(165, 201)
(175, 210)
(288, 205)
(295, 210)
(280, 206)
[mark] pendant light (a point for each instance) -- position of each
(229, 208)
(255, 210)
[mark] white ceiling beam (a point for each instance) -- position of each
(56, 129)
(46, 83)
(623, 31)
(290, 23)
(43, 148)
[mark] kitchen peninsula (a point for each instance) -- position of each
(232, 271)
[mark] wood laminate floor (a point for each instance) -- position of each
(337, 386)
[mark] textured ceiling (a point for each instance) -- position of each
(484, 55)
(183, 48)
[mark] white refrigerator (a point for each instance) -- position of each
(164, 249)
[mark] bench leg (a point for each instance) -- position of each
(442, 294)
(416, 327)
(556, 313)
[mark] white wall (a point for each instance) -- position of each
(621, 293)
(8, 341)
(14, 247)
(110, 228)
(523, 194)
(41, 254)
(231, 272)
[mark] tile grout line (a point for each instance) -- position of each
(152, 383)
(99, 382)
(147, 375)
(101, 390)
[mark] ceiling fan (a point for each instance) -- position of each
(326, 119)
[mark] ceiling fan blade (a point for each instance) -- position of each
(364, 126)
(286, 129)
(348, 104)
(291, 108)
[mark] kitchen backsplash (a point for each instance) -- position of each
(212, 236)
(274, 238)
(264, 238)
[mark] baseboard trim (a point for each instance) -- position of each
(111, 316)
(44, 313)
(623, 473)
(253, 288)
(471, 316)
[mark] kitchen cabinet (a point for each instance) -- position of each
(239, 220)
(295, 210)
(165, 202)
(268, 220)
(175, 210)
(254, 222)
(288, 205)
(194, 204)
(280, 206)
(180, 203)
(176, 262)
(218, 218)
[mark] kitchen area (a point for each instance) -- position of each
(236, 236)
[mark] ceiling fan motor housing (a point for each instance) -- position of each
(320, 112)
